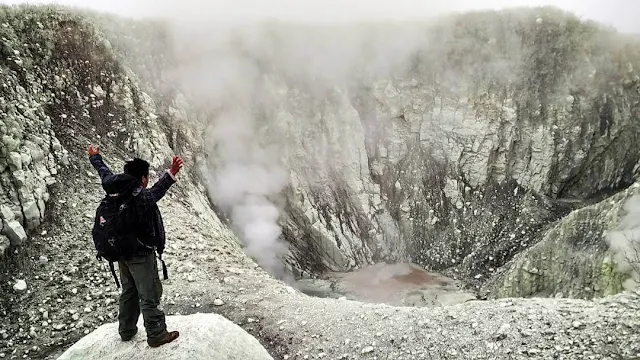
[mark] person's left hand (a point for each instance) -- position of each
(176, 165)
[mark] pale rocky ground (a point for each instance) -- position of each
(204, 336)
(54, 291)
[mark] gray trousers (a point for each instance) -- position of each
(141, 292)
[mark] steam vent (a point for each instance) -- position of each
(463, 186)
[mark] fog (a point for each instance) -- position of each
(241, 74)
(621, 14)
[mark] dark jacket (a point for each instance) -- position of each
(152, 234)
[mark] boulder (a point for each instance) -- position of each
(202, 336)
(20, 285)
(7, 213)
(31, 214)
(15, 232)
(15, 161)
(573, 259)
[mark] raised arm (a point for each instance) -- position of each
(96, 160)
(149, 197)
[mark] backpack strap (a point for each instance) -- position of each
(113, 272)
(165, 273)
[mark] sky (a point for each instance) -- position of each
(622, 14)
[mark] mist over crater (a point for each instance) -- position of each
(455, 144)
(459, 144)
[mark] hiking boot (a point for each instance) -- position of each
(167, 339)
(129, 337)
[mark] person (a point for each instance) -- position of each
(141, 286)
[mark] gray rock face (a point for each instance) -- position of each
(30, 152)
(573, 258)
(456, 153)
(47, 99)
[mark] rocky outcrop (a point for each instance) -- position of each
(57, 89)
(202, 336)
(30, 153)
(573, 259)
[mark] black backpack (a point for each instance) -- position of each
(114, 229)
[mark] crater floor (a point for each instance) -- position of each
(400, 284)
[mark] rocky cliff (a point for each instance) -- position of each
(501, 125)
(573, 258)
(63, 87)
(30, 153)
(453, 144)
(456, 153)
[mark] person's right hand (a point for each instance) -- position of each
(94, 150)
(176, 165)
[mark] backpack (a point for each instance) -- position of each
(114, 229)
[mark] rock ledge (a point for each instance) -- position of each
(202, 336)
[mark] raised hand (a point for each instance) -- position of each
(176, 165)
(94, 150)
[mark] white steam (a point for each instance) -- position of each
(625, 242)
(244, 185)
(242, 77)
